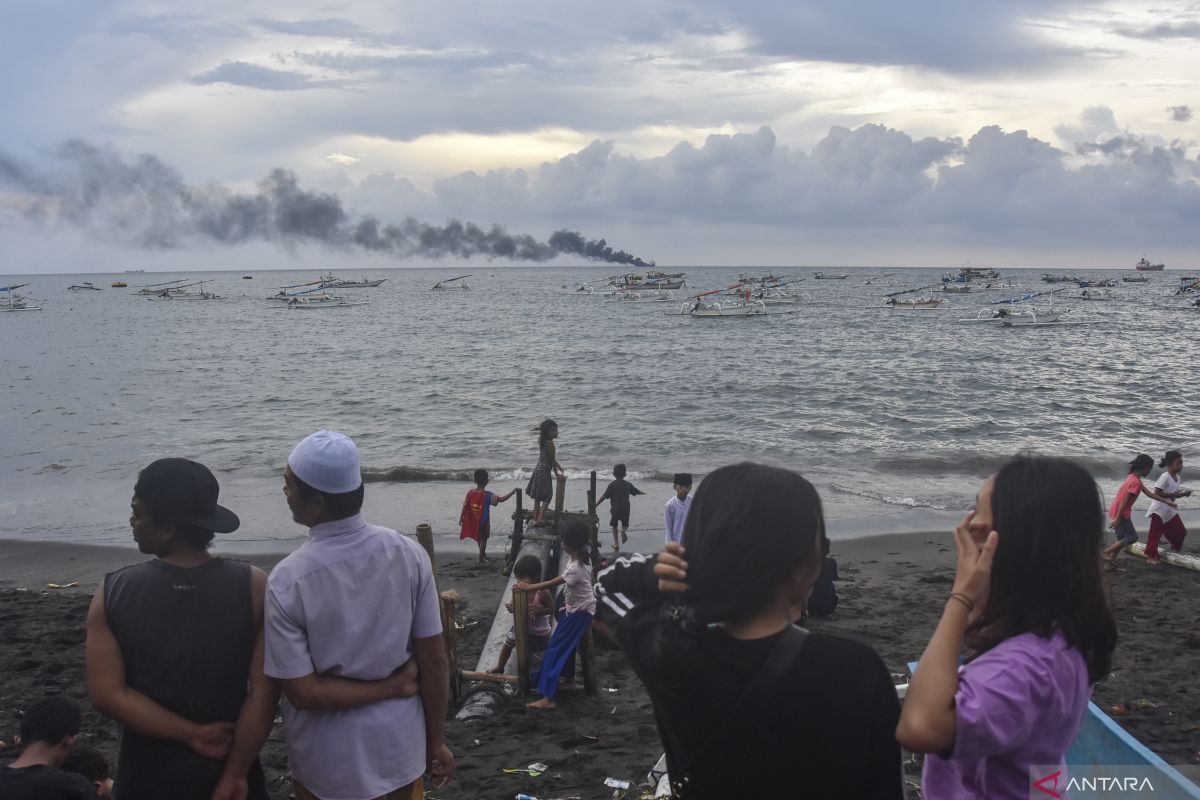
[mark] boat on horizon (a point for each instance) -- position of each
(821, 276)
(1145, 266)
(459, 282)
(83, 287)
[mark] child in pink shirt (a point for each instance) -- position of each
(1120, 513)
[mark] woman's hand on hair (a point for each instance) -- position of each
(671, 569)
(974, 574)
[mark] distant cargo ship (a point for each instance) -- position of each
(1146, 266)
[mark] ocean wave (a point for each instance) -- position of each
(908, 502)
(983, 464)
(406, 474)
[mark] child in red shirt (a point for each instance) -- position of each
(475, 518)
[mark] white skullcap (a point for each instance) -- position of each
(328, 462)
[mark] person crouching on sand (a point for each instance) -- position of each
(1120, 513)
(1029, 604)
(528, 570)
(581, 607)
(476, 515)
(747, 704)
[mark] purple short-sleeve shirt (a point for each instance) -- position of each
(1019, 704)
(349, 602)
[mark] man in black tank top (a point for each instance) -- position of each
(175, 648)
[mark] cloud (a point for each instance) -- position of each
(1163, 30)
(1094, 122)
(1180, 113)
(343, 159)
(240, 73)
(328, 28)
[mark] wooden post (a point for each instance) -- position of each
(518, 534)
(450, 638)
(520, 604)
(560, 494)
(587, 663)
(425, 537)
(593, 522)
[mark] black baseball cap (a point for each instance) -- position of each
(184, 491)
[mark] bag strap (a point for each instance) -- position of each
(782, 656)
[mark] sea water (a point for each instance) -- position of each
(896, 416)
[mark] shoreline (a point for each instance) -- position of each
(892, 589)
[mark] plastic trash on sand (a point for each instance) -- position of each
(533, 770)
(614, 783)
(71, 585)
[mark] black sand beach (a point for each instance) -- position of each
(892, 590)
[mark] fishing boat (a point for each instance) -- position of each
(1135, 279)
(897, 302)
(1096, 295)
(331, 282)
(453, 283)
(247, 277)
(780, 296)
(1049, 278)
(11, 301)
(151, 289)
(118, 284)
(957, 288)
(1144, 265)
(641, 296)
(177, 293)
(83, 287)
(312, 302)
(730, 307)
(821, 276)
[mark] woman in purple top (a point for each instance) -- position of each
(1029, 605)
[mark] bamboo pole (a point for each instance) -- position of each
(587, 663)
(450, 638)
(471, 675)
(593, 521)
(518, 533)
(520, 606)
(560, 494)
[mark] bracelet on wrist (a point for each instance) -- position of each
(964, 599)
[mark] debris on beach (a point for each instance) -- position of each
(615, 783)
(71, 585)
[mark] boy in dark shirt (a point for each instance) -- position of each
(89, 762)
(618, 493)
(48, 730)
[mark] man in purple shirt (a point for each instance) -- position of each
(349, 615)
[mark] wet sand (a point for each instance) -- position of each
(892, 591)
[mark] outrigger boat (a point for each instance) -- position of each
(453, 283)
(325, 301)
(328, 281)
(11, 301)
(181, 293)
(737, 305)
(1096, 294)
(1135, 279)
(821, 276)
(1007, 307)
(118, 284)
(83, 287)
(929, 303)
(640, 296)
(156, 288)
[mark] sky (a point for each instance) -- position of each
(709, 132)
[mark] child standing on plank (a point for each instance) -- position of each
(1120, 514)
(528, 569)
(1030, 608)
(476, 517)
(581, 607)
(619, 492)
(540, 489)
(676, 511)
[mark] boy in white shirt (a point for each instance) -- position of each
(676, 511)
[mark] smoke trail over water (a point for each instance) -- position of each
(146, 202)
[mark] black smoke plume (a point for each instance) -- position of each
(145, 201)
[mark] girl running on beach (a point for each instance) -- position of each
(1164, 518)
(1120, 513)
(540, 488)
(1029, 604)
(581, 607)
(747, 704)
